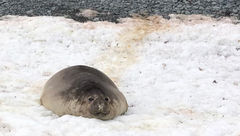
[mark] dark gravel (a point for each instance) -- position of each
(112, 10)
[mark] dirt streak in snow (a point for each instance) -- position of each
(124, 53)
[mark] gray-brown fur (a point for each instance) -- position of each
(83, 91)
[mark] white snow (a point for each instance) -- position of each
(181, 76)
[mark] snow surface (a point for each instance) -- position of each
(180, 76)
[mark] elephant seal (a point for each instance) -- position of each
(83, 91)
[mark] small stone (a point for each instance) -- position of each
(53, 8)
(214, 81)
(88, 13)
(187, 12)
(164, 65)
(29, 12)
(165, 42)
(214, 3)
(96, 19)
(235, 10)
(235, 83)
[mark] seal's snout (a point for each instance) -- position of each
(99, 108)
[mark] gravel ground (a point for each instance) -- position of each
(112, 10)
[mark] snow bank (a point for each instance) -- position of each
(181, 76)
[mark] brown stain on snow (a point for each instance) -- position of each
(117, 58)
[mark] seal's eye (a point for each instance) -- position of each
(90, 99)
(106, 99)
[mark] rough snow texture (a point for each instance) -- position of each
(180, 76)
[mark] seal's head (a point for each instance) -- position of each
(99, 104)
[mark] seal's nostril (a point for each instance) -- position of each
(106, 99)
(90, 99)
